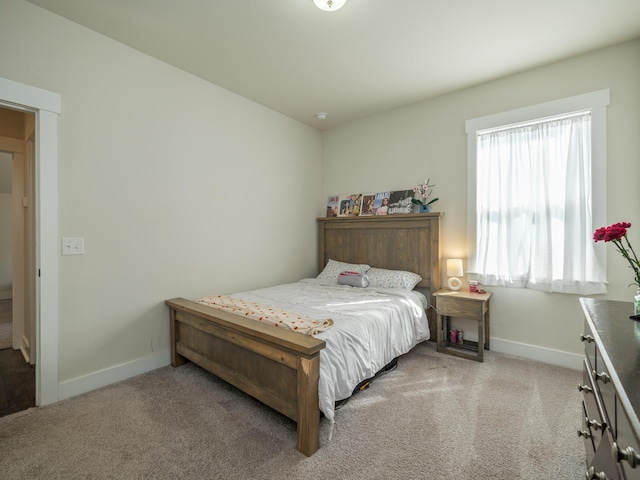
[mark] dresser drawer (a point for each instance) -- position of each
(595, 421)
(603, 464)
(585, 432)
(628, 445)
(607, 392)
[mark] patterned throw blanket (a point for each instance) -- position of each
(273, 316)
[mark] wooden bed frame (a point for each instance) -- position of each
(281, 368)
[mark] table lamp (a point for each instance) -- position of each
(454, 270)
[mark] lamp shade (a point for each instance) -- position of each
(454, 270)
(329, 5)
(454, 267)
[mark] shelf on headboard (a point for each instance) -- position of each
(370, 218)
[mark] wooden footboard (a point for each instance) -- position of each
(278, 367)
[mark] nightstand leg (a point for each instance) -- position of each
(487, 322)
(481, 338)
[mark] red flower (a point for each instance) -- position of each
(616, 233)
(612, 232)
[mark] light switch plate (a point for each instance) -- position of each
(73, 246)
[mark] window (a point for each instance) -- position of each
(536, 187)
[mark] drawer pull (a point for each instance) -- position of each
(603, 377)
(586, 338)
(584, 433)
(595, 424)
(584, 388)
(628, 454)
(592, 475)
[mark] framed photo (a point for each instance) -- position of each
(332, 206)
(347, 205)
(400, 202)
(357, 205)
(381, 203)
(366, 207)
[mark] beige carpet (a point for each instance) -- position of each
(6, 327)
(434, 417)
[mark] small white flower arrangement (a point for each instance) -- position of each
(424, 191)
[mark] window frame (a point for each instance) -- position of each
(594, 102)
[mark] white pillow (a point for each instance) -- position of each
(334, 268)
(382, 278)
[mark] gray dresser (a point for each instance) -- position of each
(611, 390)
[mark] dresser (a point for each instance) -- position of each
(610, 389)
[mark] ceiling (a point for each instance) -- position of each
(368, 57)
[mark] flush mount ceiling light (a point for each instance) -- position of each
(321, 115)
(329, 5)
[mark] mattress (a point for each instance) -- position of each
(371, 327)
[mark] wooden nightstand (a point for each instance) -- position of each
(462, 304)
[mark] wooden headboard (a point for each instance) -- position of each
(397, 242)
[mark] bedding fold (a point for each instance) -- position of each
(304, 324)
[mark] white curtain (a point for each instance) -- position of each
(534, 225)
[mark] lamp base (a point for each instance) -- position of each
(454, 283)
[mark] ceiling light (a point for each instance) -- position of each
(321, 115)
(329, 5)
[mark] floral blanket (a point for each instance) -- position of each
(271, 315)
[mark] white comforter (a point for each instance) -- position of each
(371, 327)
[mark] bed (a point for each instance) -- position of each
(279, 367)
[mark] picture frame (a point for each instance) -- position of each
(400, 202)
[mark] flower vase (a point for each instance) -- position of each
(425, 208)
(636, 303)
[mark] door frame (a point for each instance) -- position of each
(47, 106)
(16, 147)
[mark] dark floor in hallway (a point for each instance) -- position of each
(17, 377)
(17, 383)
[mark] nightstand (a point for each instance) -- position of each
(462, 304)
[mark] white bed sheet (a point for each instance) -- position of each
(372, 326)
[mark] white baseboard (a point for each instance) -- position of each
(541, 354)
(102, 378)
(87, 383)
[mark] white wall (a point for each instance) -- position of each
(397, 149)
(178, 187)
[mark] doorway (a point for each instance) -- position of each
(17, 261)
(46, 107)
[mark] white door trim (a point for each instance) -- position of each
(46, 105)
